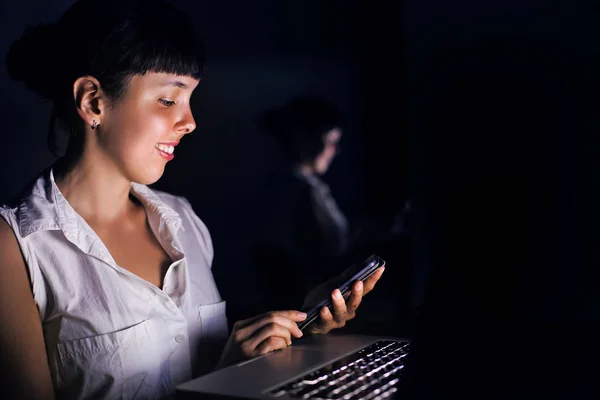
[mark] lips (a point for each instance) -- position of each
(166, 150)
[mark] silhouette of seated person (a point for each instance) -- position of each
(303, 234)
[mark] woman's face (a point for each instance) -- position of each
(324, 159)
(141, 130)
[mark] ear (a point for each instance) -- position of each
(89, 100)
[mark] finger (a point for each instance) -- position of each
(339, 306)
(270, 344)
(324, 324)
(269, 330)
(244, 322)
(326, 317)
(369, 284)
(276, 317)
(291, 314)
(284, 318)
(355, 299)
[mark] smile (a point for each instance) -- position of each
(165, 148)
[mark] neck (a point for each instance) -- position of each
(93, 186)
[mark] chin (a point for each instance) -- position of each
(148, 177)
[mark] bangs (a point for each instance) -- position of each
(177, 52)
(151, 39)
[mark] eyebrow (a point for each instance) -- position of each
(178, 84)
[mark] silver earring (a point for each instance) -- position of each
(94, 124)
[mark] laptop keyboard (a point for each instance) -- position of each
(371, 373)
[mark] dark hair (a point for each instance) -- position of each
(111, 40)
(299, 126)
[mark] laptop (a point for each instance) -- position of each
(332, 366)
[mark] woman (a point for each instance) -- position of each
(107, 290)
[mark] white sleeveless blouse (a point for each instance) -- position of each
(108, 333)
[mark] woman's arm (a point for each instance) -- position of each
(24, 372)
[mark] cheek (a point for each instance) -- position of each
(142, 135)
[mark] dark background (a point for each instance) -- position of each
(484, 113)
(502, 123)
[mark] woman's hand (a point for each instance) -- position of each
(260, 335)
(343, 309)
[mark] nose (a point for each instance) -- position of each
(186, 124)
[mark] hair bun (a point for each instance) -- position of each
(30, 59)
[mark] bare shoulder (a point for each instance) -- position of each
(10, 257)
(14, 282)
(23, 359)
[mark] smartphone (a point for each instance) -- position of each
(359, 272)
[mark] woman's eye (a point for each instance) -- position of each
(167, 103)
